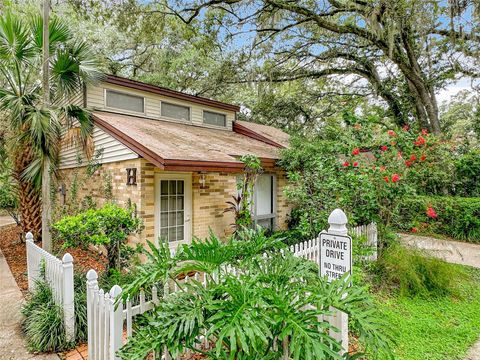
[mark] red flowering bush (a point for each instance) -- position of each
(431, 213)
(363, 168)
(397, 162)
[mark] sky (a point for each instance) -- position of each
(453, 89)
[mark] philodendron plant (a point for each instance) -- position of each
(260, 302)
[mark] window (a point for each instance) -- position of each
(264, 201)
(118, 100)
(212, 118)
(174, 111)
(172, 210)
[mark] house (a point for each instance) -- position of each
(176, 156)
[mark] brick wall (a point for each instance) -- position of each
(208, 202)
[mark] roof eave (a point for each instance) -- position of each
(243, 130)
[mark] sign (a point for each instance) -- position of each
(335, 255)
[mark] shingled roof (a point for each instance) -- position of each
(176, 146)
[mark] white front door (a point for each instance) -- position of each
(173, 208)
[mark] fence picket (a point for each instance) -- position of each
(59, 277)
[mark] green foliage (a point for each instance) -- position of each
(467, 174)
(43, 324)
(8, 191)
(242, 202)
(32, 125)
(434, 328)
(108, 226)
(457, 217)
(414, 273)
(262, 312)
(80, 305)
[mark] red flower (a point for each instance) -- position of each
(423, 157)
(346, 164)
(399, 154)
(413, 230)
(408, 163)
(384, 148)
(413, 157)
(391, 133)
(386, 178)
(355, 164)
(356, 151)
(420, 141)
(395, 178)
(406, 127)
(424, 132)
(431, 213)
(383, 168)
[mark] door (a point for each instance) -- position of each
(173, 203)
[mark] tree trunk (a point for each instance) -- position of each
(46, 200)
(29, 196)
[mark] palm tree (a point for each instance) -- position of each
(36, 130)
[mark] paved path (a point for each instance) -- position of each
(474, 353)
(12, 344)
(6, 220)
(451, 251)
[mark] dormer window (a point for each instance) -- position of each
(213, 118)
(174, 111)
(123, 101)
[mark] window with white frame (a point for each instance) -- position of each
(119, 100)
(264, 211)
(213, 118)
(174, 111)
(172, 210)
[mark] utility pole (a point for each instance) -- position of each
(46, 198)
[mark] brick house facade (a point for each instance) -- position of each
(185, 173)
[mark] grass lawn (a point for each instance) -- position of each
(442, 328)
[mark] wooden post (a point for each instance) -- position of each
(46, 198)
(338, 225)
(116, 321)
(30, 268)
(92, 288)
(68, 297)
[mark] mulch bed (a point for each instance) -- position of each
(15, 253)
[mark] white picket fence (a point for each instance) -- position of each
(370, 231)
(107, 317)
(310, 249)
(58, 275)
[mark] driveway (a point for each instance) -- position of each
(451, 251)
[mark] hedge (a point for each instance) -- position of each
(457, 217)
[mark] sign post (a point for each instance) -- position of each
(335, 259)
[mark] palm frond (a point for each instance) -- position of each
(59, 32)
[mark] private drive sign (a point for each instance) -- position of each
(335, 255)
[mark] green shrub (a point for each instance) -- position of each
(43, 324)
(108, 226)
(457, 217)
(468, 174)
(413, 273)
(80, 308)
